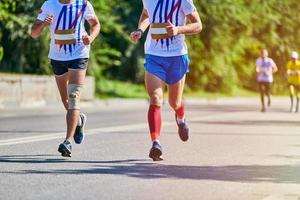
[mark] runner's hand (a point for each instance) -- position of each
(136, 36)
(87, 40)
(48, 20)
(172, 30)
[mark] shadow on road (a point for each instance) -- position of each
(294, 157)
(144, 169)
(42, 158)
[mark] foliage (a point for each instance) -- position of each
(234, 32)
(223, 55)
(119, 89)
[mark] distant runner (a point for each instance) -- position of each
(167, 60)
(293, 72)
(265, 67)
(69, 55)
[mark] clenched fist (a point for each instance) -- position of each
(87, 40)
(136, 35)
(172, 30)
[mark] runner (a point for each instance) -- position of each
(167, 60)
(69, 55)
(265, 67)
(293, 72)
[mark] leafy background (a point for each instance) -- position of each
(223, 55)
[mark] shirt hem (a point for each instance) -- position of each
(68, 59)
(166, 55)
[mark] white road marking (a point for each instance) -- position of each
(53, 136)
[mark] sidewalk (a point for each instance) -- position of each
(281, 103)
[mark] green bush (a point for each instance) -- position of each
(223, 55)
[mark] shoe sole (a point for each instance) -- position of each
(64, 151)
(155, 154)
(84, 118)
(184, 136)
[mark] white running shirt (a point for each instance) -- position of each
(67, 17)
(161, 11)
(265, 68)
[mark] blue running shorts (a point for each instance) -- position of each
(169, 69)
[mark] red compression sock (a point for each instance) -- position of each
(154, 121)
(180, 112)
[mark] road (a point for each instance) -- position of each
(234, 153)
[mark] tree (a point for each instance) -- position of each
(223, 55)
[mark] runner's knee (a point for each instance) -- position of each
(175, 104)
(74, 91)
(156, 99)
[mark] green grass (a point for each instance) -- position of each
(119, 89)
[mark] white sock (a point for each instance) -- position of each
(79, 121)
(67, 141)
(180, 121)
(156, 141)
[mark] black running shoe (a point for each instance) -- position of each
(183, 130)
(65, 149)
(156, 152)
(79, 132)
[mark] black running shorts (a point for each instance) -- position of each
(62, 67)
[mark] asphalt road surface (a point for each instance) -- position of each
(234, 153)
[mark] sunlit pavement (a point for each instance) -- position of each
(235, 153)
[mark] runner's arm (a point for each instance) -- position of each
(142, 26)
(38, 27)
(144, 20)
(257, 69)
(95, 28)
(194, 27)
(94, 31)
(257, 64)
(288, 70)
(275, 68)
(44, 19)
